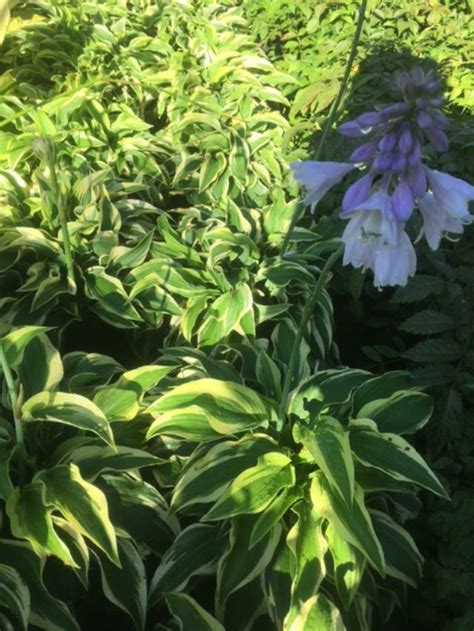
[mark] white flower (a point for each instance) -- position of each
(375, 240)
(445, 207)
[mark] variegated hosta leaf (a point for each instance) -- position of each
(324, 389)
(402, 556)
(14, 595)
(223, 407)
(125, 586)
(121, 400)
(402, 413)
(328, 443)
(15, 342)
(70, 409)
(190, 615)
(236, 569)
(30, 518)
(353, 524)
(82, 504)
(318, 612)
(208, 473)
(195, 551)
(47, 612)
(139, 509)
(381, 387)
(255, 488)
(308, 547)
(392, 455)
(349, 565)
(274, 513)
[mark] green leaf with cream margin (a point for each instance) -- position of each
(121, 400)
(354, 524)
(82, 504)
(224, 406)
(403, 412)
(15, 342)
(328, 443)
(30, 518)
(392, 455)
(318, 613)
(308, 548)
(210, 470)
(190, 615)
(255, 488)
(349, 565)
(69, 409)
(14, 595)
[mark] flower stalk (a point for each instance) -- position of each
(305, 318)
(12, 393)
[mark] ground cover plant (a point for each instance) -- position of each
(183, 443)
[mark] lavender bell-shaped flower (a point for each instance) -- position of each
(319, 177)
(374, 239)
(395, 181)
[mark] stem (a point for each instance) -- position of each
(307, 313)
(63, 224)
(332, 112)
(20, 441)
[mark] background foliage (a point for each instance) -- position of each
(159, 134)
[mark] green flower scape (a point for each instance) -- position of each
(207, 422)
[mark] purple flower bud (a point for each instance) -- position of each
(414, 156)
(399, 162)
(421, 102)
(364, 153)
(436, 101)
(388, 141)
(440, 120)
(351, 129)
(394, 111)
(357, 193)
(416, 178)
(405, 141)
(402, 79)
(383, 162)
(437, 138)
(433, 87)
(369, 119)
(417, 74)
(424, 120)
(402, 201)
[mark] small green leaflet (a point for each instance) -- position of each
(394, 456)
(70, 409)
(255, 488)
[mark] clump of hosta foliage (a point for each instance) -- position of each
(242, 478)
